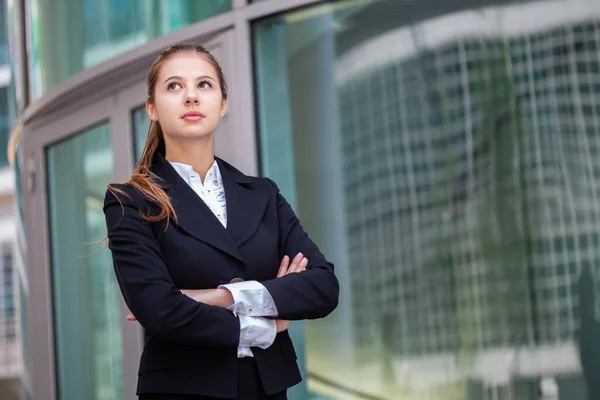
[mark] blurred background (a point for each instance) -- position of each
(444, 154)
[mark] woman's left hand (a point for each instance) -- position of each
(215, 297)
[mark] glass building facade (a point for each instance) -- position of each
(444, 155)
(69, 36)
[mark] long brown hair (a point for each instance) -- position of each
(143, 179)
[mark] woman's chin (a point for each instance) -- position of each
(193, 134)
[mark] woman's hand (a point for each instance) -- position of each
(213, 297)
(282, 325)
(299, 264)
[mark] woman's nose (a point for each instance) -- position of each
(192, 99)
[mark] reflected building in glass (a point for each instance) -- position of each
(470, 145)
(463, 145)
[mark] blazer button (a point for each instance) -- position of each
(236, 280)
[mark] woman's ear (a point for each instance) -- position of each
(224, 104)
(151, 108)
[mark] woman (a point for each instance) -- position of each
(211, 262)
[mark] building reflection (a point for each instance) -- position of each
(466, 140)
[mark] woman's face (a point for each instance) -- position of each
(187, 97)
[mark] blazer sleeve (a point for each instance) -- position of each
(310, 294)
(148, 289)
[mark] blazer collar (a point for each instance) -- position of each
(164, 170)
(245, 206)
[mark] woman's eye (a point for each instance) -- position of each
(173, 85)
(205, 85)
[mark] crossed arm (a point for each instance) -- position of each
(166, 312)
(223, 297)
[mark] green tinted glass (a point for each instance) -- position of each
(87, 316)
(141, 124)
(438, 155)
(5, 121)
(69, 36)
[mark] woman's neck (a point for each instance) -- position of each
(199, 154)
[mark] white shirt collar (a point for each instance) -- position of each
(187, 171)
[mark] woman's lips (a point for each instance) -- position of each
(193, 116)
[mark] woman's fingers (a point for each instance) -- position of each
(283, 267)
(130, 317)
(297, 263)
(303, 264)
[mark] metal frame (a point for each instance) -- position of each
(94, 95)
(123, 149)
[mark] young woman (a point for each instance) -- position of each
(211, 262)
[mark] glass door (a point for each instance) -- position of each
(77, 340)
(87, 316)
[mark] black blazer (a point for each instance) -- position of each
(190, 347)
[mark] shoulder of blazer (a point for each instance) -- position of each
(270, 185)
(264, 184)
(127, 196)
(258, 183)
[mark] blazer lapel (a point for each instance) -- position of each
(245, 205)
(193, 215)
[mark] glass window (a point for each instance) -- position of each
(9, 339)
(24, 331)
(8, 289)
(141, 124)
(5, 123)
(3, 33)
(87, 316)
(20, 263)
(94, 31)
(399, 133)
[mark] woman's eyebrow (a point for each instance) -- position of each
(198, 78)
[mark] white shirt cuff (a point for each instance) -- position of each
(244, 352)
(251, 298)
(257, 331)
